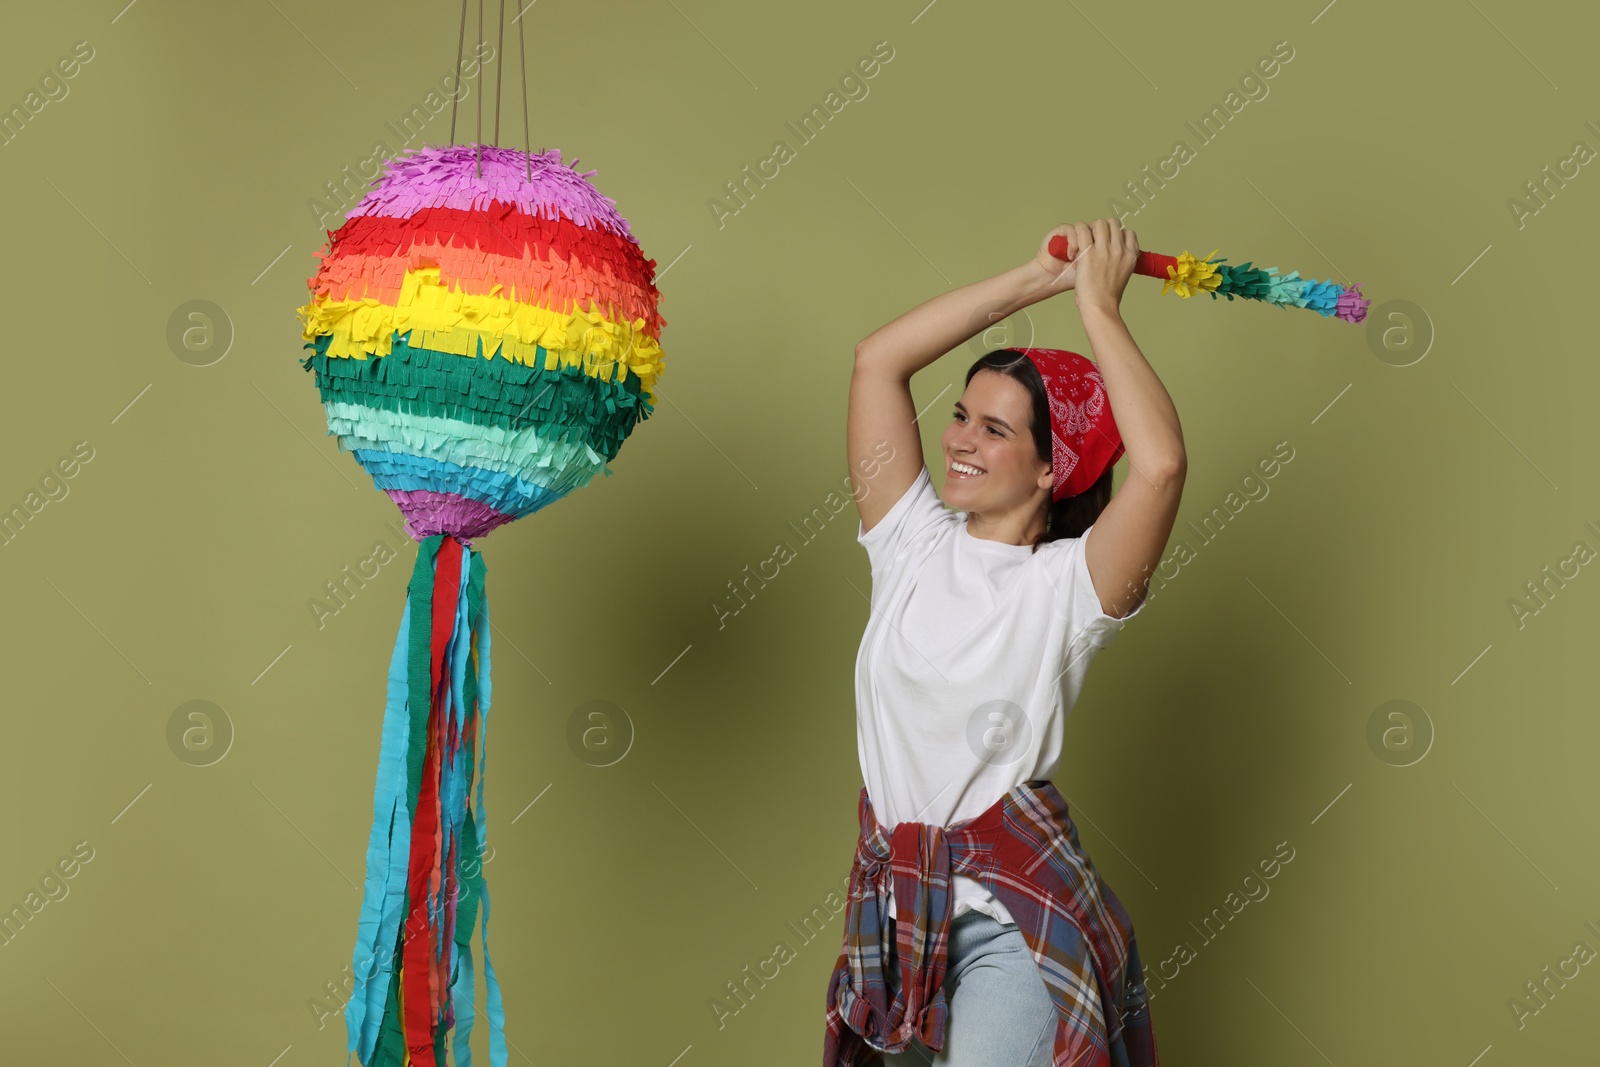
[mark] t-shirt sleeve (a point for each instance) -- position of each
(918, 510)
(1077, 596)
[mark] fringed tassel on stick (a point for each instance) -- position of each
(1187, 275)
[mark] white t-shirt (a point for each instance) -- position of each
(974, 653)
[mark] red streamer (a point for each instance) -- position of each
(423, 986)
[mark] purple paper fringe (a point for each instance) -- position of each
(1352, 305)
(428, 513)
(448, 177)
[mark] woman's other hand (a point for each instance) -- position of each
(1104, 255)
(1060, 275)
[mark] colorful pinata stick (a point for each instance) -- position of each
(1186, 275)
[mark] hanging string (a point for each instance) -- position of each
(497, 65)
(478, 147)
(527, 144)
(455, 98)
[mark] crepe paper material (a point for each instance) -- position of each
(525, 453)
(424, 487)
(445, 318)
(503, 329)
(502, 393)
(1352, 305)
(1188, 275)
(414, 978)
(482, 344)
(447, 176)
(1321, 297)
(531, 255)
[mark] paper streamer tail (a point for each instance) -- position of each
(414, 977)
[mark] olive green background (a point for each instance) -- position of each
(1436, 469)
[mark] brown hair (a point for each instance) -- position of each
(1069, 516)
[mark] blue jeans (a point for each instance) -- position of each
(1001, 1014)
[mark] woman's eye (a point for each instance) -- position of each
(960, 417)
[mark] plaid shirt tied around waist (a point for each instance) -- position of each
(1024, 849)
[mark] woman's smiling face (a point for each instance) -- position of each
(992, 433)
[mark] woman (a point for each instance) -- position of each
(977, 933)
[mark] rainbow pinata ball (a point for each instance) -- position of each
(484, 343)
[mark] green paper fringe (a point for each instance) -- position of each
(528, 453)
(485, 392)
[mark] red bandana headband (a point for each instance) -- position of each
(1085, 441)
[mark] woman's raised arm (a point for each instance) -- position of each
(1125, 544)
(882, 418)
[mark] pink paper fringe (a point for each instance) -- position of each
(448, 177)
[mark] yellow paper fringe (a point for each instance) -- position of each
(551, 280)
(449, 320)
(1192, 275)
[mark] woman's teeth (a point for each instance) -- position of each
(963, 469)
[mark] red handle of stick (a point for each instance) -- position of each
(1150, 264)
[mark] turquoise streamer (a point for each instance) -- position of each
(388, 849)
(463, 987)
(496, 1009)
(462, 991)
